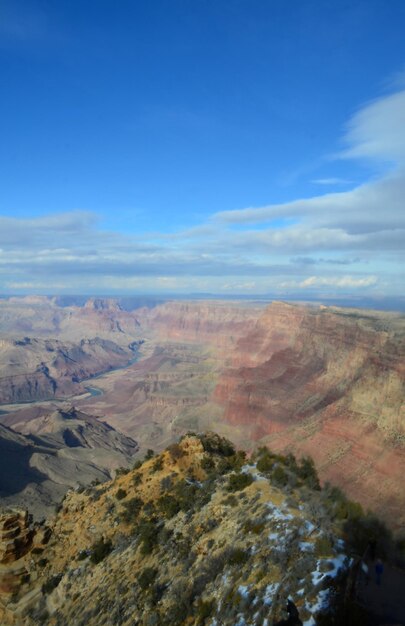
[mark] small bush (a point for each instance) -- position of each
(157, 465)
(166, 483)
(265, 463)
(121, 471)
(237, 556)
(237, 482)
(137, 464)
(218, 445)
(207, 464)
(176, 451)
(254, 526)
(307, 472)
(168, 505)
(230, 501)
(137, 479)
(205, 609)
(149, 454)
(132, 509)
(121, 494)
(148, 531)
(51, 584)
(279, 476)
(100, 550)
(147, 577)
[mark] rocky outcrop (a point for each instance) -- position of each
(16, 540)
(184, 539)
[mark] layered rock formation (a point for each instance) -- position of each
(215, 323)
(329, 383)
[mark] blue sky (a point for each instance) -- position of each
(182, 146)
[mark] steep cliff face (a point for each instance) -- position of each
(220, 323)
(328, 383)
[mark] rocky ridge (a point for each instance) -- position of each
(197, 535)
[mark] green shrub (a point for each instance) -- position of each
(51, 583)
(121, 494)
(307, 472)
(132, 509)
(279, 476)
(254, 526)
(100, 550)
(218, 445)
(205, 609)
(207, 464)
(237, 556)
(168, 505)
(360, 530)
(176, 451)
(157, 465)
(149, 454)
(238, 482)
(147, 531)
(138, 464)
(137, 479)
(230, 501)
(147, 577)
(265, 463)
(121, 471)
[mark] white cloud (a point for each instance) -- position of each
(365, 224)
(338, 281)
(377, 131)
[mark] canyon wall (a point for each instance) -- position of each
(329, 383)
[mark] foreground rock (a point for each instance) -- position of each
(193, 536)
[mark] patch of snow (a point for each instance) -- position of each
(277, 514)
(309, 527)
(269, 593)
(306, 546)
(243, 590)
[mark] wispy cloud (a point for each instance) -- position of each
(306, 244)
(331, 181)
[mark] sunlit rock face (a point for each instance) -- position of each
(201, 528)
(329, 383)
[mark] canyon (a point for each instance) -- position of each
(314, 380)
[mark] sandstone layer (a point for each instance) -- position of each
(329, 383)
